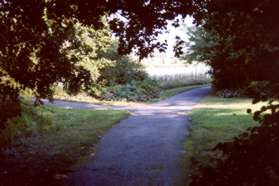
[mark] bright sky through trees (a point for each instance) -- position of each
(173, 32)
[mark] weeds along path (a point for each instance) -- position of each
(143, 149)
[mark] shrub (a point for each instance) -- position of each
(133, 91)
(9, 103)
(124, 80)
(122, 72)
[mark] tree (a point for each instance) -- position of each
(245, 40)
(234, 66)
(33, 32)
(86, 48)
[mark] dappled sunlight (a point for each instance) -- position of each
(70, 70)
(216, 120)
(232, 103)
(177, 104)
(226, 114)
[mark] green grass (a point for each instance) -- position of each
(213, 121)
(50, 140)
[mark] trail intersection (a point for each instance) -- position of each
(143, 149)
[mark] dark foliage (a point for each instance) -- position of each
(244, 53)
(10, 107)
(32, 33)
(245, 39)
(250, 159)
(233, 65)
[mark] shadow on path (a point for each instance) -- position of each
(142, 149)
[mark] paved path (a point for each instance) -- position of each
(143, 149)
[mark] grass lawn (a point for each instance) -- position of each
(45, 142)
(215, 120)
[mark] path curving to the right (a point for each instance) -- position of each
(143, 149)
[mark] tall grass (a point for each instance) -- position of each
(179, 80)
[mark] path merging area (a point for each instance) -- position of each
(143, 149)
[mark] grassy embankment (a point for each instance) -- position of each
(215, 120)
(45, 142)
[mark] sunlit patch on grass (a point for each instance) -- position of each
(215, 120)
(49, 140)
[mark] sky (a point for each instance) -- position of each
(170, 37)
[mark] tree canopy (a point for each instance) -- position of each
(33, 33)
(239, 41)
(233, 34)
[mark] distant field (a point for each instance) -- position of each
(180, 80)
(181, 70)
(178, 76)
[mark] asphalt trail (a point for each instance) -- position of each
(143, 149)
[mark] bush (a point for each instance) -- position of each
(124, 80)
(31, 121)
(9, 103)
(122, 72)
(133, 91)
